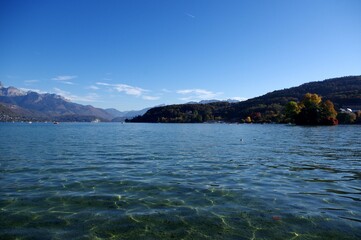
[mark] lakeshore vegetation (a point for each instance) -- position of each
(325, 102)
(310, 111)
(314, 103)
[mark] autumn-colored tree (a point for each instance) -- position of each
(256, 117)
(328, 109)
(311, 100)
(328, 113)
(312, 111)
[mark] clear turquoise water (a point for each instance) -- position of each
(186, 181)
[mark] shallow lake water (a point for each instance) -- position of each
(179, 181)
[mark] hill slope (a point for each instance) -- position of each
(343, 92)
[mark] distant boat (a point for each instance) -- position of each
(95, 121)
(30, 122)
(55, 122)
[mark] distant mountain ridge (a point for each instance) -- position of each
(126, 114)
(16, 105)
(11, 91)
(46, 106)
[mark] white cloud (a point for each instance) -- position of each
(91, 97)
(63, 93)
(195, 91)
(92, 87)
(103, 84)
(64, 78)
(166, 90)
(197, 94)
(151, 98)
(69, 83)
(32, 90)
(127, 89)
(239, 99)
(31, 81)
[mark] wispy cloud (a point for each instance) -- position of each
(31, 81)
(64, 78)
(12, 77)
(197, 94)
(239, 99)
(91, 97)
(166, 90)
(65, 94)
(32, 90)
(69, 83)
(127, 89)
(190, 15)
(92, 87)
(151, 98)
(194, 91)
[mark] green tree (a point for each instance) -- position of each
(346, 118)
(292, 109)
(358, 117)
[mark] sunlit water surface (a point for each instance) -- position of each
(186, 181)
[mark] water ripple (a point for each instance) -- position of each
(162, 181)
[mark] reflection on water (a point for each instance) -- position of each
(162, 181)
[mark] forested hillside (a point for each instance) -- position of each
(344, 92)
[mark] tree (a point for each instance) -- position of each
(346, 118)
(311, 100)
(328, 109)
(256, 117)
(358, 117)
(312, 111)
(291, 111)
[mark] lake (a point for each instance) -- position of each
(179, 181)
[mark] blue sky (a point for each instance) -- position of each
(134, 54)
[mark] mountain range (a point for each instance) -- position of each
(122, 116)
(19, 105)
(16, 104)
